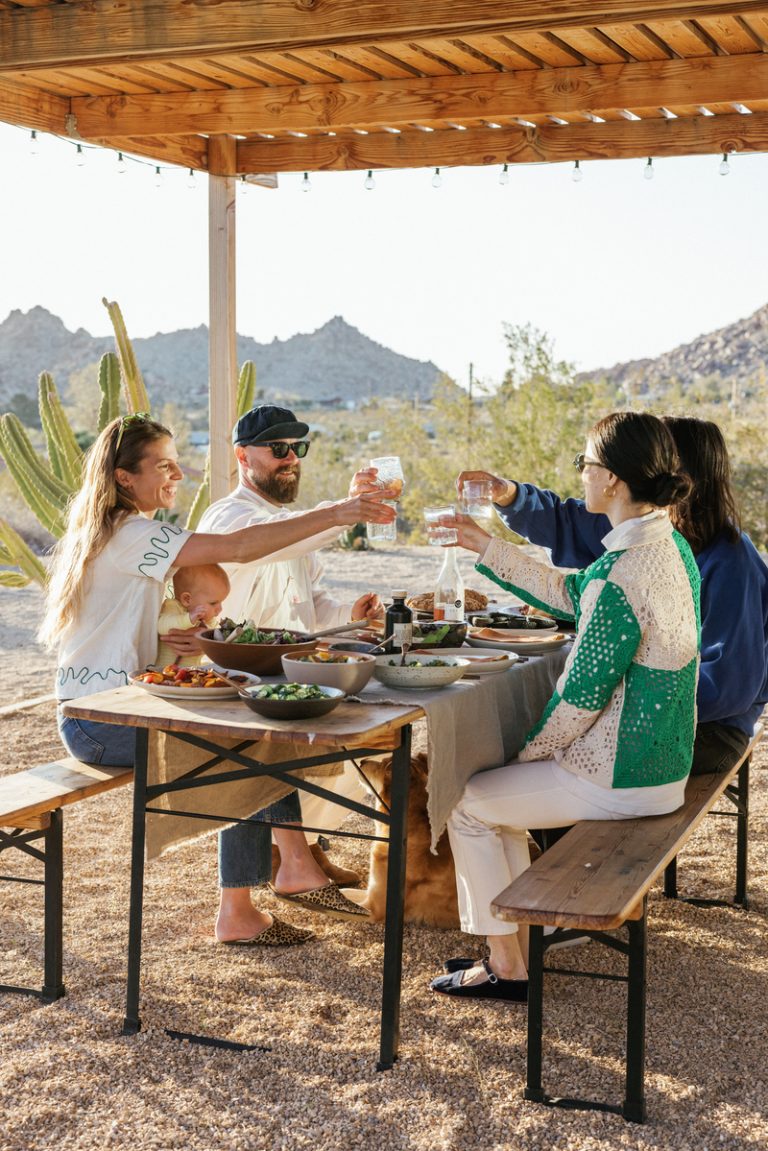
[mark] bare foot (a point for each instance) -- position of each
(237, 917)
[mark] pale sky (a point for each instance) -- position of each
(613, 268)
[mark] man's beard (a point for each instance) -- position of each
(281, 486)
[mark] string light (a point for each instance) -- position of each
(33, 148)
(504, 175)
(243, 186)
(79, 156)
(577, 175)
(437, 179)
(158, 177)
(369, 183)
(725, 167)
(192, 180)
(306, 185)
(648, 169)
(121, 164)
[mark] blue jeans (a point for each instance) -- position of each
(107, 743)
(245, 850)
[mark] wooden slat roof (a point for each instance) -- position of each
(335, 84)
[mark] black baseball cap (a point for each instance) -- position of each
(265, 423)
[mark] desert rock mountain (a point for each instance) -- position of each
(732, 358)
(335, 362)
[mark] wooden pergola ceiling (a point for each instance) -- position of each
(253, 86)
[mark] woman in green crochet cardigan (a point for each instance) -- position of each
(616, 739)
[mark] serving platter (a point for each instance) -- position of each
(478, 664)
(523, 645)
(172, 691)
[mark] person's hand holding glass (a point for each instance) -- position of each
(389, 475)
(479, 491)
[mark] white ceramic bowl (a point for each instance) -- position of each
(351, 676)
(414, 676)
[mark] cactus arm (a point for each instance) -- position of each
(202, 497)
(246, 387)
(64, 452)
(43, 493)
(14, 551)
(136, 398)
(109, 383)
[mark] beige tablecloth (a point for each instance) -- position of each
(472, 725)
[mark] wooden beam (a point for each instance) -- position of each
(222, 350)
(67, 35)
(617, 139)
(29, 109)
(187, 152)
(393, 103)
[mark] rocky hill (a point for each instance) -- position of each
(337, 362)
(732, 360)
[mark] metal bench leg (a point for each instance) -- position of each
(533, 1089)
(53, 986)
(393, 927)
(132, 1022)
(742, 834)
(634, 1097)
(670, 879)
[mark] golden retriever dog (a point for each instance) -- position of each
(430, 880)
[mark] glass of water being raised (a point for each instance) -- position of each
(439, 529)
(389, 475)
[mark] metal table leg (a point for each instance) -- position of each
(53, 986)
(393, 930)
(132, 1022)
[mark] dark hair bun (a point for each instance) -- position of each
(666, 488)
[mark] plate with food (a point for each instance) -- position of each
(424, 602)
(421, 670)
(201, 682)
(513, 623)
(532, 643)
(488, 663)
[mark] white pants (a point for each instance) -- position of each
(487, 830)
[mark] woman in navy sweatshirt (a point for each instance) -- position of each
(733, 678)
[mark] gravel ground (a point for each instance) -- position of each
(69, 1080)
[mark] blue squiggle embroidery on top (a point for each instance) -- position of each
(84, 676)
(152, 559)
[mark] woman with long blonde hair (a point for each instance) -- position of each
(109, 574)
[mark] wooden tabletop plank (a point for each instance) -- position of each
(31, 793)
(350, 724)
(594, 876)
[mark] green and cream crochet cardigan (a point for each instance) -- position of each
(624, 709)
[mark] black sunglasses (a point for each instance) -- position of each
(581, 461)
(280, 449)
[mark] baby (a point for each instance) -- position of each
(197, 595)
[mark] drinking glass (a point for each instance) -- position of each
(476, 499)
(390, 475)
(438, 534)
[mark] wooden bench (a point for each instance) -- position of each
(31, 805)
(596, 879)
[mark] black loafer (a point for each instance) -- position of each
(460, 963)
(512, 990)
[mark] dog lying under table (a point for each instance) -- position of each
(430, 880)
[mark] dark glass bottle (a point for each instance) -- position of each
(398, 623)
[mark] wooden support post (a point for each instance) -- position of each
(222, 354)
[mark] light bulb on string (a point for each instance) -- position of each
(33, 145)
(192, 180)
(369, 183)
(648, 169)
(158, 177)
(725, 167)
(577, 175)
(79, 156)
(306, 185)
(504, 175)
(121, 164)
(437, 179)
(243, 186)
